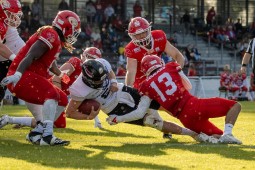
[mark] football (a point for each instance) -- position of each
(87, 104)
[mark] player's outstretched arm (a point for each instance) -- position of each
(6, 52)
(173, 52)
(131, 71)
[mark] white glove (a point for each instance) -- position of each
(112, 119)
(11, 79)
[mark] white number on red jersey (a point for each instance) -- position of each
(168, 82)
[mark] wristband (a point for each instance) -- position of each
(12, 56)
(19, 74)
(114, 81)
(244, 65)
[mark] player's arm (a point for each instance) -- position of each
(139, 113)
(35, 52)
(131, 71)
(72, 111)
(170, 50)
(67, 68)
(245, 61)
(6, 52)
(185, 81)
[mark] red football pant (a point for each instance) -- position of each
(196, 114)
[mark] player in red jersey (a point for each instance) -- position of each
(73, 69)
(144, 42)
(168, 85)
(30, 69)
(239, 85)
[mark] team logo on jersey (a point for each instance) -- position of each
(138, 49)
(5, 4)
(50, 37)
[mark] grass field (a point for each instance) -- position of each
(126, 146)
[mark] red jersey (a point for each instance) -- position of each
(166, 87)
(239, 80)
(136, 52)
(76, 63)
(42, 65)
(225, 79)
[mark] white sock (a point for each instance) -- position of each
(228, 128)
(38, 128)
(26, 121)
(47, 128)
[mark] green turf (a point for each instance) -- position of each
(126, 146)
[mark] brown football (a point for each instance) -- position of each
(87, 104)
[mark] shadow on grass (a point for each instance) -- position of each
(64, 157)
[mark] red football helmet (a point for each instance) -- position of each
(149, 63)
(3, 29)
(10, 12)
(139, 25)
(70, 25)
(91, 53)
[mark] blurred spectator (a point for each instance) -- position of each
(25, 34)
(239, 86)
(226, 80)
(190, 54)
(26, 13)
(192, 70)
(35, 23)
(108, 12)
(95, 35)
(238, 28)
(36, 9)
(231, 36)
(137, 9)
(165, 58)
(118, 23)
(243, 45)
(121, 70)
(63, 5)
(99, 11)
(186, 21)
(210, 17)
(229, 22)
(118, 8)
(90, 12)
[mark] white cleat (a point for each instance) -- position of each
(229, 139)
(98, 125)
(34, 137)
(4, 120)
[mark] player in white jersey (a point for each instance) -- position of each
(94, 83)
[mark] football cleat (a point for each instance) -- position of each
(229, 139)
(51, 140)
(4, 120)
(34, 137)
(167, 136)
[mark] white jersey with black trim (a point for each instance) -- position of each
(79, 91)
(13, 41)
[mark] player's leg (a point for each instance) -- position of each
(43, 132)
(4, 65)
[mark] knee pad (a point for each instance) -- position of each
(152, 119)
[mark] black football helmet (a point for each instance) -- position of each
(93, 73)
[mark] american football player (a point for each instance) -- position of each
(168, 85)
(94, 83)
(31, 67)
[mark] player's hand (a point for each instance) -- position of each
(114, 87)
(11, 79)
(93, 113)
(112, 119)
(64, 77)
(243, 70)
